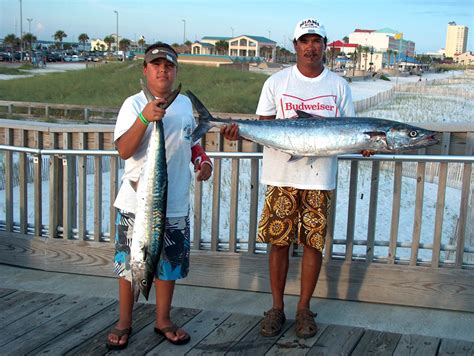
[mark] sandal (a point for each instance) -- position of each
(304, 323)
(172, 329)
(272, 323)
(120, 334)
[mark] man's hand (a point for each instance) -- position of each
(153, 112)
(367, 153)
(230, 132)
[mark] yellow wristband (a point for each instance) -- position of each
(143, 119)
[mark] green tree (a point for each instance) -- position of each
(124, 44)
(59, 36)
(109, 40)
(11, 41)
(366, 52)
(29, 39)
(222, 47)
(345, 39)
(359, 55)
(83, 38)
(389, 56)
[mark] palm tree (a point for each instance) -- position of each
(354, 56)
(389, 55)
(222, 47)
(359, 53)
(124, 44)
(109, 40)
(29, 38)
(11, 41)
(141, 43)
(366, 52)
(83, 38)
(58, 36)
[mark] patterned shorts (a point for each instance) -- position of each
(294, 215)
(174, 261)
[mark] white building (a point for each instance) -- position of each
(383, 40)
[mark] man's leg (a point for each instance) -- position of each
(164, 296)
(278, 263)
(310, 268)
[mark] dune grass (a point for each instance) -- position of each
(223, 90)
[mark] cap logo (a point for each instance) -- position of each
(169, 58)
(309, 23)
(155, 51)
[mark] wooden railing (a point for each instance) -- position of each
(357, 266)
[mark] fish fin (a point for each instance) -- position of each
(203, 118)
(295, 158)
(303, 114)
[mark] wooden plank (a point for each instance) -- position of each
(82, 332)
(9, 182)
(146, 339)
(197, 226)
(420, 191)
(329, 244)
(54, 190)
(33, 314)
(23, 184)
(223, 338)
(234, 204)
(456, 347)
(290, 344)
(113, 190)
(464, 205)
(216, 206)
(82, 189)
(6, 291)
(254, 344)
(337, 340)
(198, 328)
(143, 315)
(395, 220)
(80, 311)
(253, 213)
(38, 186)
(374, 189)
(98, 136)
(440, 201)
(69, 181)
(417, 345)
(377, 342)
(351, 209)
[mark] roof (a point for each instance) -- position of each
(204, 44)
(387, 30)
(362, 30)
(340, 43)
(256, 38)
(216, 38)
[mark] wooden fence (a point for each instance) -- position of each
(357, 266)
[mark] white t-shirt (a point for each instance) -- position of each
(178, 125)
(327, 95)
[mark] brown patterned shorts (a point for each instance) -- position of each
(294, 215)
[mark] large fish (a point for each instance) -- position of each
(309, 135)
(150, 217)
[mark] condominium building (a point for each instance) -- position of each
(456, 39)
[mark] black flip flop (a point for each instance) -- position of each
(172, 329)
(119, 333)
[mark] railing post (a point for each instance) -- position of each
(98, 188)
(54, 190)
(9, 181)
(82, 189)
(38, 186)
(23, 183)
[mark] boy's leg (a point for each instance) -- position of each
(125, 313)
(164, 296)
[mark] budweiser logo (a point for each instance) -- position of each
(309, 107)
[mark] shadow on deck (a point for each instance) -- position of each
(46, 323)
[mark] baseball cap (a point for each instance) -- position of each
(309, 26)
(161, 52)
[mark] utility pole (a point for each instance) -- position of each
(116, 33)
(184, 31)
(21, 32)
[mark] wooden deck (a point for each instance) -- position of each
(45, 323)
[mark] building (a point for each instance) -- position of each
(383, 40)
(240, 46)
(456, 39)
(342, 47)
(466, 58)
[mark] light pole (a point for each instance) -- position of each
(116, 33)
(232, 29)
(21, 32)
(29, 25)
(184, 30)
(270, 34)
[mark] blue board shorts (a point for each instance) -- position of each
(174, 260)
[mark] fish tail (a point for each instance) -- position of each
(204, 117)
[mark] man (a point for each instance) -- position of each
(297, 200)
(132, 134)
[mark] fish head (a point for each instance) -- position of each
(404, 137)
(142, 280)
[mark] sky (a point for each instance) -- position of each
(421, 21)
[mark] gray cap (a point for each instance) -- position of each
(161, 52)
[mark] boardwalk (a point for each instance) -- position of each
(45, 323)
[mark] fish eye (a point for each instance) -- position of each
(144, 282)
(413, 133)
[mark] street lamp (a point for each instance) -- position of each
(269, 34)
(184, 30)
(29, 25)
(116, 33)
(232, 29)
(21, 31)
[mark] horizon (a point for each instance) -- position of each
(423, 22)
